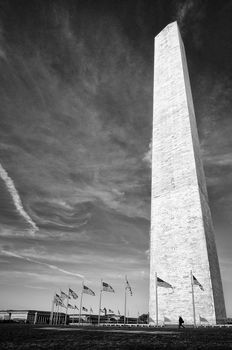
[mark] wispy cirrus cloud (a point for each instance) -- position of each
(53, 267)
(16, 199)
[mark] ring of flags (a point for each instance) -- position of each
(63, 300)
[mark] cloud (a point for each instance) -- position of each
(36, 287)
(183, 9)
(53, 267)
(190, 15)
(16, 199)
(2, 49)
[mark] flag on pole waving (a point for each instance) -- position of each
(161, 283)
(59, 301)
(87, 290)
(64, 295)
(73, 294)
(197, 283)
(128, 286)
(58, 298)
(203, 319)
(166, 319)
(107, 288)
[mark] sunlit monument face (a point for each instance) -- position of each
(182, 238)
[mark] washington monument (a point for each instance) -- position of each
(182, 247)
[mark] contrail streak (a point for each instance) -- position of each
(53, 267)
(16, 199)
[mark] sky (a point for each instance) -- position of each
(76, 85)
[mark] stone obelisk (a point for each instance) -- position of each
(182, 237)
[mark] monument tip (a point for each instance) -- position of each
(168, 27)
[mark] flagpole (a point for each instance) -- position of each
(55, 312)
(55, 318)
(193, 300)
(99, 311)
(58, 314)
(156, 299)
(125, 303)
(52, 311)
(81, 303)
(66, 313)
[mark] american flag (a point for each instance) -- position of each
(197, 283)
(57, 297)
(161, 283)
(73, 294)
(87, 290)
(128, 286)
(203, 319)
(64, 295)
(107, 288)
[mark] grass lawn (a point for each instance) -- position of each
(20, 337)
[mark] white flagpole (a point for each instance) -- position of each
(125, 303)
(66, 313)
(81, 303)
(193, 300)
(52, 311)
(55, 319)
(57, 308)
(58, 314)
(99, 311)
(156, 299)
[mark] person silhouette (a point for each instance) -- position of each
(181, 321)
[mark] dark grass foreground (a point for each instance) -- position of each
(16, 336)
